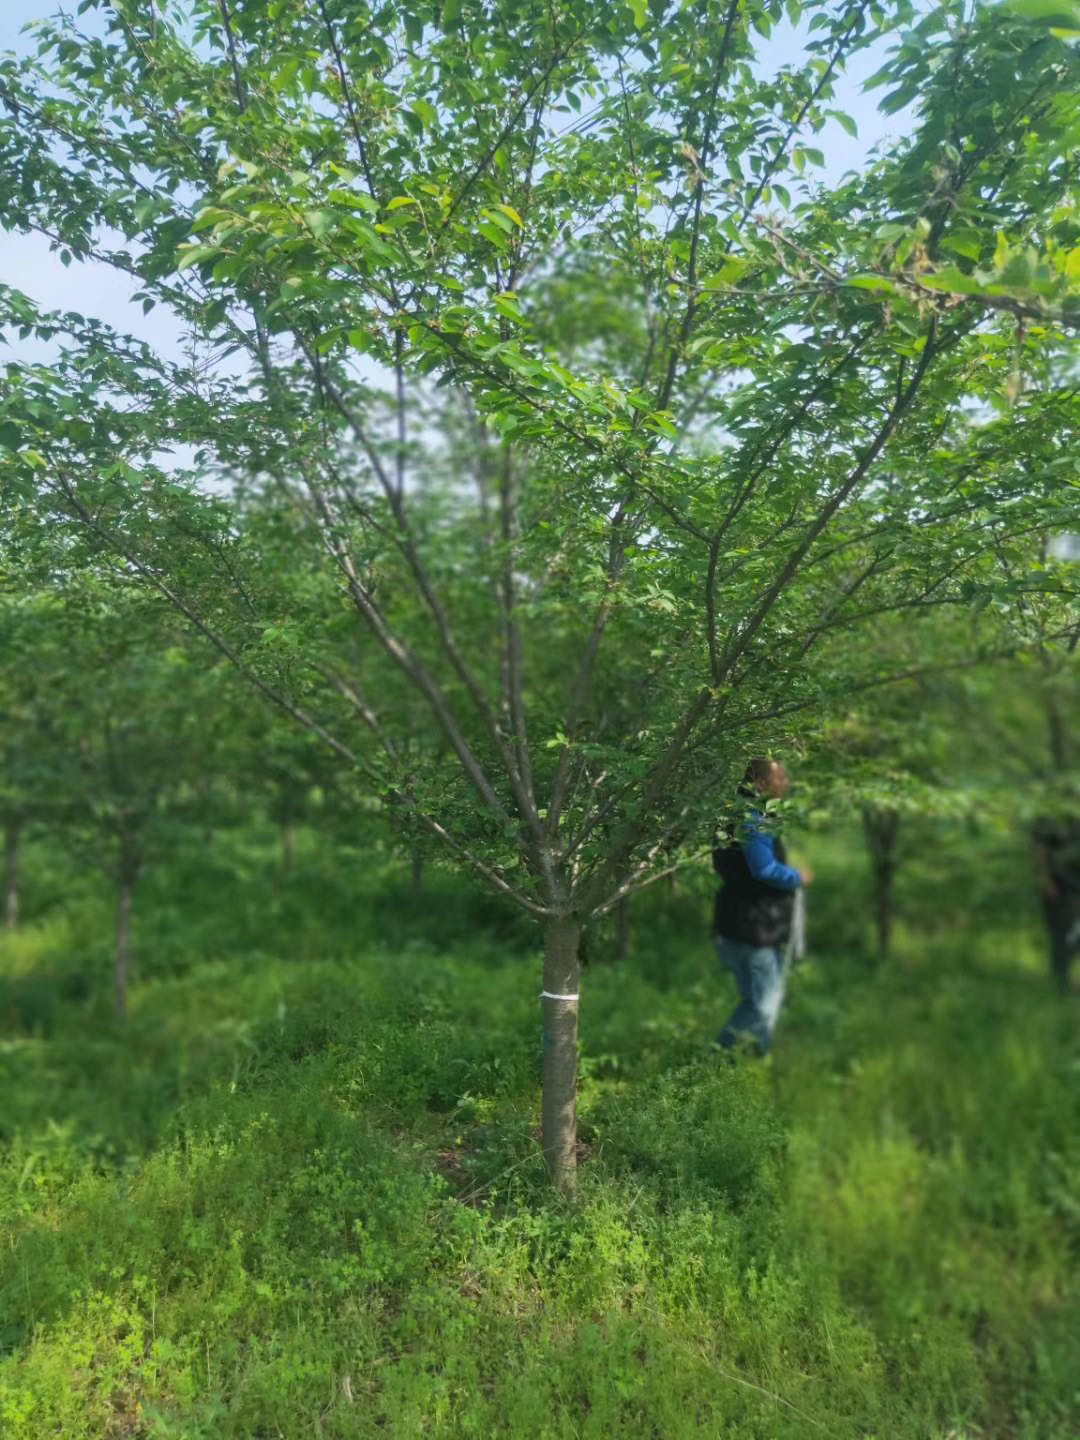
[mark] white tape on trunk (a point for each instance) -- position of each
(547, 995)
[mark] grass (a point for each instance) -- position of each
(299, 1194)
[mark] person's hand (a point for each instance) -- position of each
(806, 875)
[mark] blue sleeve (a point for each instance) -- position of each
(763, 864)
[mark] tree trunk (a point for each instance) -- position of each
(562, 976)
(125, 894)
(1057, 733)
(622, 930)
(288, 846)
(417, 860)
(12, 832)
(880, 827)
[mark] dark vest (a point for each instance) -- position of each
(747, 910)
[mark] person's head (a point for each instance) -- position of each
(767, 778)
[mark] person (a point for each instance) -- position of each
(1057, 855)
(753, 915)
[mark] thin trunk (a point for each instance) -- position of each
(417, 859)
(880, 827)
(124, 896)
(288, 846)
(562, 976)
(1057, 733)
(12, 833)
(884, 909)
(622, 930)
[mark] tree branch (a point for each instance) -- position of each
(826, 76)
(664, 397)
(401, 655)
(346, 90)
(407, 545)
(742, 639)
(230, 45)
(177, 601)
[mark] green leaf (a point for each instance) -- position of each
(507, 305)
(499, 217)
(890, 233)
(319, 222)
(952, 280)
(899, 99)
(196, 255)
(354, 200)
(495, 233)
(1021, 269)
(963, 242)
(1046, 12)
(425, 112)
(846, 122)
(661, 421)
(641, 12)
(509, 211)
(733, 269)
(873, 282)
(400, 201)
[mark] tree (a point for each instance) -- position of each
(572, 233)
(887, 758)
(123, 739)
(34, 762)
(146, 739)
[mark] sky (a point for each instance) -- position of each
(27, 264)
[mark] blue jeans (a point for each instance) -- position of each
(759, 974)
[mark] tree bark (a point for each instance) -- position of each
(1057, 733)
(880, 827)
(288, 846)
(622, 930)
(12, 834)
(125, 894)
(562, 976)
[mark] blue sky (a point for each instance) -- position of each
(25, 260)
(27, 264)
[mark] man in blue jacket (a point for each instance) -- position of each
(752, 921)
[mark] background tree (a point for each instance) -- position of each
(35, 759)
(133, 717)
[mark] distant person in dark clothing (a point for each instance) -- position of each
(752, 921)
(1057, 852)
